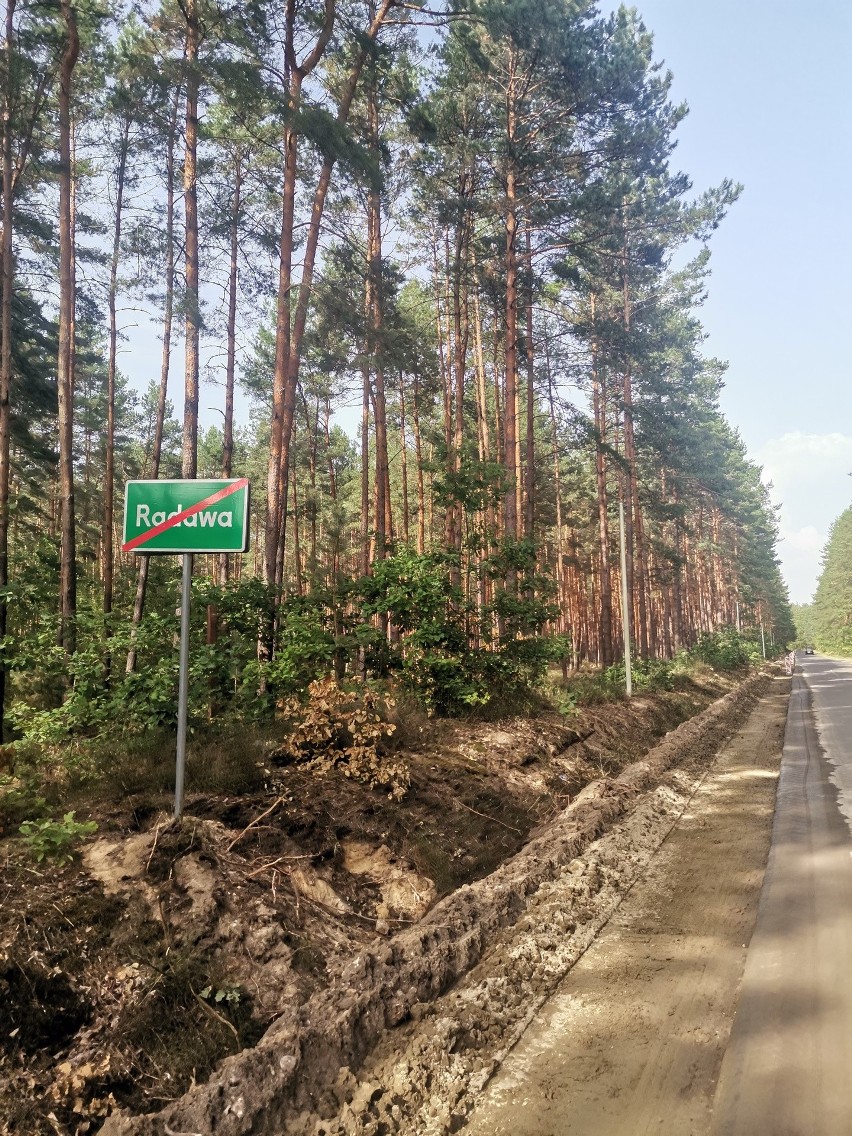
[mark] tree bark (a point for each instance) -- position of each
(65, 364)
(510, 428)
(223, 560)
(605, 643)
(418, 457)
(162, 396)
(285, 378)
(109, 463)
(403, 451)
(529, 464)
(365, 467)
(189, 463)
(7, 258)
(288, 365)
(375, 346)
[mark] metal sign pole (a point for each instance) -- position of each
(183, 517)
(625, 599)
(183, 682)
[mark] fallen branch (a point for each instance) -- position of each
(485, 816)
(153, 847)
(255, 822)
(278, 860)
(219, 1018)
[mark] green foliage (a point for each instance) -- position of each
(725, 650)
(305, 648)
(54, 839)
(832, 606)
(479, 682)
(230, 995)
(420, 596)
(417, 595)
(804, 618)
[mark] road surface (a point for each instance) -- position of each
(669, 1025)
(788, 1068)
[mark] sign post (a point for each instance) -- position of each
(185, 517)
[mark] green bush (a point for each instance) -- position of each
(478, 683)
(725, 650)
(54, 839)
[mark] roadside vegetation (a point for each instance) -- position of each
(826, 623)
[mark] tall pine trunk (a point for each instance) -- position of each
(287, 378)
(65, 364)
(223, 560)
(189, 461)
(375, 351)
(510, 347)
(109, 463)
(403, 453)
(605, 640)
(529, 464)
(8, 282)
(162, 395)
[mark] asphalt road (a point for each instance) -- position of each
(787, 1070)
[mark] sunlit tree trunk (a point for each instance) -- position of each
(605, 577)
(109, 462)
(418, 457)
(375, 352)
(286, 377)
(7, 259)
(529, 456)
(162, 394)
(65, 365)
(189, 463)
(403, 451)
(365, 466)
(510, 429)
(231, 336)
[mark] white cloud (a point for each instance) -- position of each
(807, 540)
(809, 474)
(795, 458)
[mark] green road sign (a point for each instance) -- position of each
(186, 516)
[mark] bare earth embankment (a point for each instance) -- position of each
(377, 962)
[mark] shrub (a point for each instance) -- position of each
(477, 683)
(724, 650)
(53, 839)
(345, 729)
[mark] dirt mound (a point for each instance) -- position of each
(300, 1070)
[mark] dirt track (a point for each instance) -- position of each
(633, 1040)
(506, 941)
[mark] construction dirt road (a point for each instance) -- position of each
(633, 1040)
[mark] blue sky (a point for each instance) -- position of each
(769, 87)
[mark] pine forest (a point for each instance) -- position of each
(430, 277)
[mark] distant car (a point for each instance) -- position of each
(809, 650)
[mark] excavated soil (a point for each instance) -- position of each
(244, 970)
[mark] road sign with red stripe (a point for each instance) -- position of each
(186, 516)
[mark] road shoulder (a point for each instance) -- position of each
(633, 1040)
